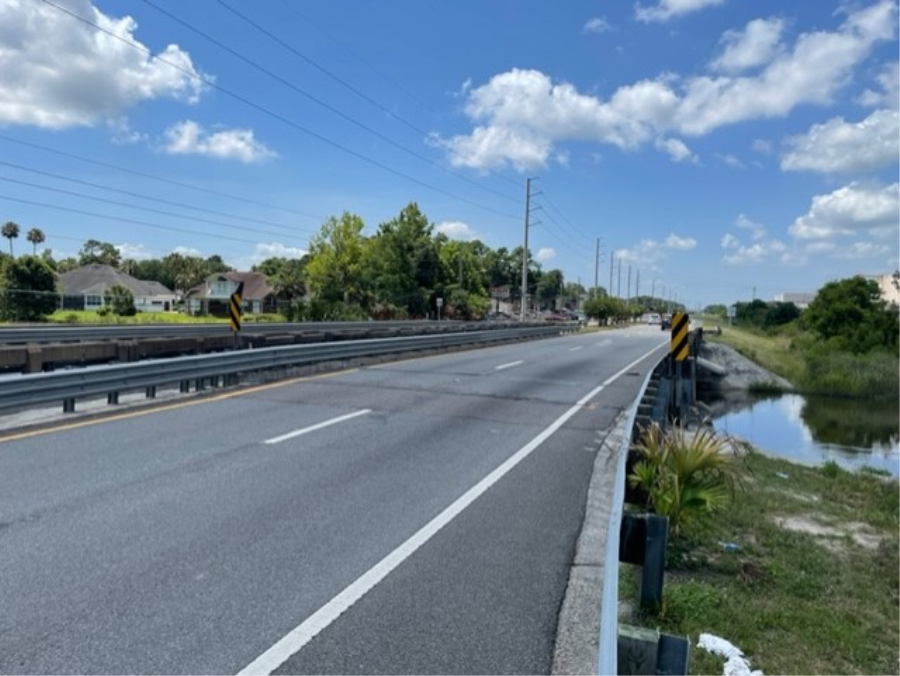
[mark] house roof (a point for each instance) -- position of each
(96, 279)
(256, 285)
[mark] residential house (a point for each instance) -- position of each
(212, 296)
(84, 288)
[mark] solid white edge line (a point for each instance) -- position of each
(509, 365)
(575, 349)
(318, 426)
(306, 631)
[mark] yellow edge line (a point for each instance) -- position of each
(168, 407)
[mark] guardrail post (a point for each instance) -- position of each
(69, 405)
(112, 398)
(151, 392)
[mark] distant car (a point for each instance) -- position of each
(654, 318)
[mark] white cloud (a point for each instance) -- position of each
(137, 252)
(545, 254)
(676, 149)
(762, 146)
(520, 115)
(757, 231)
(649, 253)
(667, 9)
(755, 46)
(265, 250)
(859, 250)
(59, 72)
(187, 251)
(189, 138)
(846, 147)
(889, 96)
(598, 24)
(757, 252)
(850, 211)
(457, 230)
(730, 160)
(673, 241)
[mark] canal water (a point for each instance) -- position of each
(813, 430)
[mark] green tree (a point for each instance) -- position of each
(35, 236)
(121, 300)
(215, 264)
(95, 252)
(716, 309)
(10, 230)
(335, 271)
(549, 289)
(182, 273)
(27, 289)
(851, 315)
(285, 275)
(404, 262)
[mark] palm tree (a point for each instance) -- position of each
(10, 230)
(35, 236)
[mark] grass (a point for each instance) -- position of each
(94, 318)
(795, 602)
(813, 370)
(773, 353)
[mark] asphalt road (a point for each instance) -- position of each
(415, 517)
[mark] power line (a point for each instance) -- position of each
(120, 219)
(98, 186)
(161, 179)
(347, 85)
(290, 85)
(210, 83)
(137, 207)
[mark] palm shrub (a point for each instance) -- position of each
(685, 474)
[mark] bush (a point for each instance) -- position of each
(685, 474)
(120, 300)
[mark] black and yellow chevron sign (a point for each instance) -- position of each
(234, 308)
(679, 343)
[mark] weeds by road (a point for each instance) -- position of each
(800, 572)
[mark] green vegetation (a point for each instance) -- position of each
(27, 289)
(844, 344)
(684, 475)
(807, 583)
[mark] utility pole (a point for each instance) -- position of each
(619, 280)
(612, 262)
(637, 285)
(628, 292)
(525, 250)
(596, 268)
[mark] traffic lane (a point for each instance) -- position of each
(127, 551)
(548, 371)
(483, 595)
(163, 576)
(51, 470)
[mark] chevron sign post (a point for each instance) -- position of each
(679, 344)
(234, 308)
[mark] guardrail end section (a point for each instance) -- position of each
(647, 651)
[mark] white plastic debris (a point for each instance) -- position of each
(736, 664)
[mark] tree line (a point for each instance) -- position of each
(400, 271)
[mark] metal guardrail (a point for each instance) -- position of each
(607, 649)
(65, 333)
(66, 386)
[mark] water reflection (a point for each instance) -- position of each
(853, 433)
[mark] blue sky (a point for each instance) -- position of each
(720, 149)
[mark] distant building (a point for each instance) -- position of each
(800, 299)
(887, 284)
(84, 288)
(212, 296)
